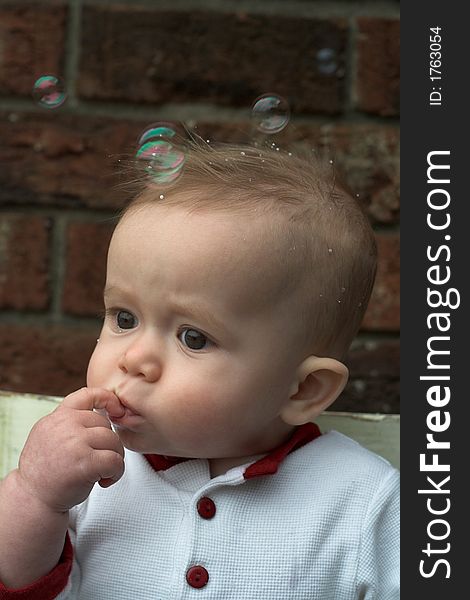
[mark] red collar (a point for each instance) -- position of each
(264, 466)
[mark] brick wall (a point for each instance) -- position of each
(127, 65)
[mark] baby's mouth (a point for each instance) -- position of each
(127, 414)
(124, 405)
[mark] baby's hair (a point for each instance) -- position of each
(319, 234)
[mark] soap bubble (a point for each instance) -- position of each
(164, 162)
(49, 92)
(157, 131)
(270, 113)
(327, 61)
(164, 156)
(161, 153)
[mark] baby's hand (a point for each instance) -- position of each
(71, 449)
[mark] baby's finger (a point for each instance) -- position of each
(90, 398)
(93, 418)
(100, 438)
(107, 465)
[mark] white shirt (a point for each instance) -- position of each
(325, 526)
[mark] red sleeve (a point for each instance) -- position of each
(49, 586)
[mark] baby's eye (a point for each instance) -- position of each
(193, 339)
(125, 320)
(122, 319)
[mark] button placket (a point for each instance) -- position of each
(197, 576)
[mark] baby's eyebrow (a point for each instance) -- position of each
(111, 289)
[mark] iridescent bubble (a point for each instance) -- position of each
(270, 113)
(327, 61)
(163, 155)
(163, 158)
(49, 92)
(164, 162)
(157, 131)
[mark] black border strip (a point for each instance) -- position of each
(434, 394)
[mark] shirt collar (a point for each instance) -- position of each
(268, 465)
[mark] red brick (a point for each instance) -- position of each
(24, 262)
(383, 313)
(63, 160)
(137, 54)
(378, 66)
(73, 161)
(45, 359)
(32, 44)
(87, 245)
(374, 384)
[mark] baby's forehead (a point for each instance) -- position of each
(238, 251)
(249, 232)
(219, 227)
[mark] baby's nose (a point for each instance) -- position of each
(141, 360)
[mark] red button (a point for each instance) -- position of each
(206, 508)
(197, 577)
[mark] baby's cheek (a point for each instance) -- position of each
(96, 377)
(99, 368)
(93, 370)
(91, 374)
(199, 416)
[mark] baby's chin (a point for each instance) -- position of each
(133, 441)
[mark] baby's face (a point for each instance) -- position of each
(197, 339)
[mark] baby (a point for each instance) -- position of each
(231, 299)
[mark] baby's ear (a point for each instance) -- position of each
(319, 381)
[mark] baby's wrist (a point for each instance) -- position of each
(24, 494)
(34, 534)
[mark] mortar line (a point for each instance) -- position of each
(351, 70)
(72, 50)
(320, 9)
